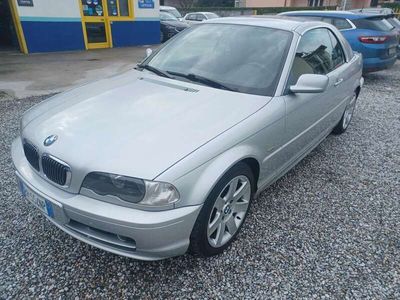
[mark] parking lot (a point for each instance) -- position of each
(329, 228)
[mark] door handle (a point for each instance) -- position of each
(339, 81)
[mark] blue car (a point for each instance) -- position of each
(370, 34)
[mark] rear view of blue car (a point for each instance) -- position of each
(370, 34)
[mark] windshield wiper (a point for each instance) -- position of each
(203, 80)
(154, 70)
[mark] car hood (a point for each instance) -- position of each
(135, 124)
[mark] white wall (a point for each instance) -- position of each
(146, 12)
(51, 9)
(71, 9)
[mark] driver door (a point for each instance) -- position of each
(308, 115)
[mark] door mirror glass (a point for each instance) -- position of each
(310, 83)
(148, 52)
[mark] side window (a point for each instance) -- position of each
(191, 17)
(200, 17)
(342, 24)
(194, 17)
(312, 18)
(327, 20)
(338, 57)
(313, 55)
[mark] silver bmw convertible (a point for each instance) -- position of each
(166, 158)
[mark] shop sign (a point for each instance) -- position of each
(25, 2)
(146, 3)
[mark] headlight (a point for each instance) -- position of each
(133, 190)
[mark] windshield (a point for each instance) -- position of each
(164, 16)
(379, 24)
(175, 13)
(246, 59)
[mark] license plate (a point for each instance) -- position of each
(41, 203)
(392, 51)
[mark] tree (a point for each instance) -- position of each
(186, 3)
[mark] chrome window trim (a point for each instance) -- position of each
(352, 26)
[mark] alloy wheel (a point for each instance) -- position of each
(229, 211)
(348, 113)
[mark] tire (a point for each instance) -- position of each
(208, 238)
(348, 113)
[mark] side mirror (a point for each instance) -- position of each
(148, 52)
(310, 83)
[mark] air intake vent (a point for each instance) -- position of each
(31, 155)
(55, 170)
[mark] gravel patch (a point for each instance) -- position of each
(328, 229)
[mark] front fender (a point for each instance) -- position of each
(195, 186)
(256, 137)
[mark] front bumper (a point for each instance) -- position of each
(145, 235)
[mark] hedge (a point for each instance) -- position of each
(394, 6)
(258, 10)
(277, 10)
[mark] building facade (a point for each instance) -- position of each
(54, 25)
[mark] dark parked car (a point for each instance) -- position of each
(171, 10)
(170, 26)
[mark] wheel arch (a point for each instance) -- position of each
(255, 169)
(196, 185)
(358, 90)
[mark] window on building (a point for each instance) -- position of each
(123, 8)
(115, 8)
(92, 8)
(118, 8)
(315, 3)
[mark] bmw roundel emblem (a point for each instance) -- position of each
(50, 140)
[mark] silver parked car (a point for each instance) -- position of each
(196, 17)
(167, 157)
